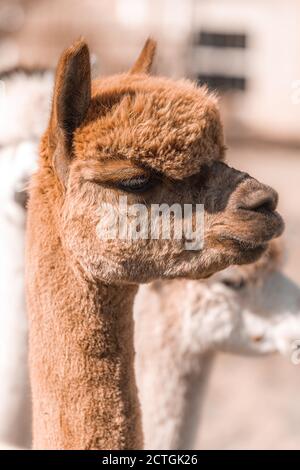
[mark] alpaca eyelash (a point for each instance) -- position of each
(135, 184)
(136, 180)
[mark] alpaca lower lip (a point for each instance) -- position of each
(275, 223)
(257, 230)
(247, 244)
(272, 220)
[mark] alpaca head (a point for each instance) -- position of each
(155, 141)
(266, 302)
(253, 309)
(23, 113)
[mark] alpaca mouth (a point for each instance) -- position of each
(247, 251)
(268, 216)
(255, 234)
(269, 223)
(248, 245)
(255, 229)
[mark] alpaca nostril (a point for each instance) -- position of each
(262, 200)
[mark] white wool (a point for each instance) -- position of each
(24, 106)
(180, 325)
(17, 163)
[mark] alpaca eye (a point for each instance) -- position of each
(235, 284)
(136, 184)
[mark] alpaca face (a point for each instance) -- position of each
(266, 309)
(154, 141)
(23, 117)
(250, 310)
(143, 260)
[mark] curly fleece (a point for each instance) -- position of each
(172, 127)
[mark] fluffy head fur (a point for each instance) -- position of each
(170, 127)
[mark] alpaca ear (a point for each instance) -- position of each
(71, 99)
(144, 61)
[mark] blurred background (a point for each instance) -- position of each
(249, 51)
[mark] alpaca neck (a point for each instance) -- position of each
(166, 363)
(171, 420)
(81, 353)
(195, 384)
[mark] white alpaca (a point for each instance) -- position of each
(20, 130)
(180, 325)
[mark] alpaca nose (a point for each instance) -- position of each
(258, 197)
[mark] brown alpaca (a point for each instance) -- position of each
(156, 141)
